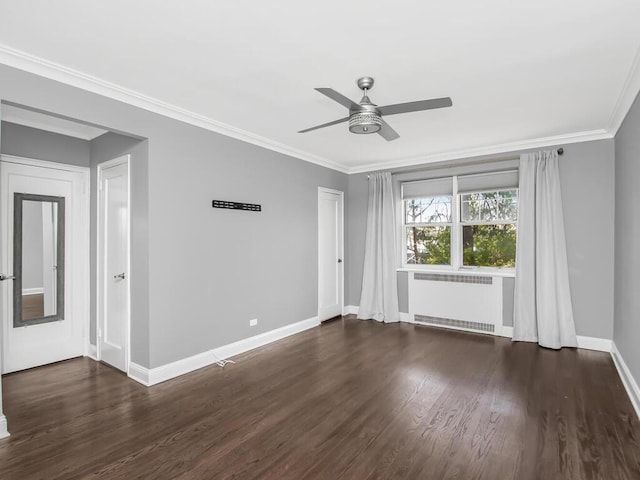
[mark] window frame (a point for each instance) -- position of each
(462, 224)
(406, 225)
(456, 227)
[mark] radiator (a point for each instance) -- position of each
(453, 300)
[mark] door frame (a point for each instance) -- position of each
(340, 193)
(124, 159)
(81, 270)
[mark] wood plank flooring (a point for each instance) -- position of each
(349, 400)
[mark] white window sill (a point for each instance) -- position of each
(488, 272)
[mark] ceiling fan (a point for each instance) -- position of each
(366, 117)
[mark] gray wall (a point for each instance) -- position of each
(104, 148)
(209, 270)
(508, 286)
(627, 227)
(30, 142)
(356, 227)
(403, 292)
(212, 270)
(32, 246)
(585, 169)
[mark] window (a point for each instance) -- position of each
(428, 221)
(462, 221)
(488, 221)
(428, 230)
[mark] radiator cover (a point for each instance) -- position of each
(462, 301)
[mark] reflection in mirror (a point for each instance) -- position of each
(38, 259)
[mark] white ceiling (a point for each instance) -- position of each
(521, 74)
(49, 123)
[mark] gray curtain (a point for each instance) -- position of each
(542, 309)
(379, 298)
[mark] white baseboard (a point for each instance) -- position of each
(353, 310)
(630, 384)
(587, 343)
(350, 310)
(91, 351)
(250, 343)
(166, 372)
(32, 291)
(506, 332)
(594, 343)
(4, 432)
(139, 373)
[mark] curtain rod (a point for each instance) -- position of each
(461, 164)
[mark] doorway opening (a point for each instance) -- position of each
(55, 143)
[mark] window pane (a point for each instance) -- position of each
(489, 245)
(429, 245)
(428, 210)
(490, 206)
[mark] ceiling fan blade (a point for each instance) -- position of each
(338, 97)
(335, 122)
(416, 106)
(387, 132)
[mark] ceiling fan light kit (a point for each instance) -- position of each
(366, 117)
(364, 123)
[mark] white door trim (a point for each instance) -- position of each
(46, 164)
(340, 241)
(99, 273)
(82, 271)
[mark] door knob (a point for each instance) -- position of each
(6, 277)
(339, 260)
(119, 276)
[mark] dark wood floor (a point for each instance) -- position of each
(349, 400)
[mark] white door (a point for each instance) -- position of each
(45, 260)
(113, 258)
(330, 248)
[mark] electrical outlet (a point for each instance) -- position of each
(253, 323)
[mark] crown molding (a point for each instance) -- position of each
(628, 94)
(45, 68)
(511, 147)
(54, 71)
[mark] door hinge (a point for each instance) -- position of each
(99, 332)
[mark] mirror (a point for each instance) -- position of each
(38, 259)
